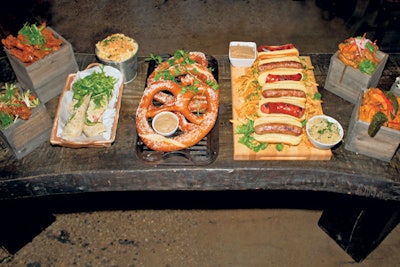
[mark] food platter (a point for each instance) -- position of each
(304, 151)
(110, 118)
(202, 153)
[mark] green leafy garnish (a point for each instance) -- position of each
(212, 84)
(109, 40)
(370, 47)
(13, 102)
(247, 139)
(317, 96)
(5, 119)
(367, 66)
(279, 147)
(9, 93)
(178, 65)
(97, 84)
(33, 34)
(157, 59)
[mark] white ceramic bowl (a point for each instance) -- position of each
(165, 123)
(243, 62)
(316, 141)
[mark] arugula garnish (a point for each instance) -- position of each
(97, 84)
(33, 34)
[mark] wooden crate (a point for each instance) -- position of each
(347, 82)
(382, 146)
(24, 136)
(47, 76)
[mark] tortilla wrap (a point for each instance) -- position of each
(74, 126)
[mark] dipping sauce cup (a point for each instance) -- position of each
(242, 54)
(165, 123)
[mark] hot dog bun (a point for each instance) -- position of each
(274, 51)
(279, 59)
(278, 53)
(278, 129)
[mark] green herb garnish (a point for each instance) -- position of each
(109, 40)
(370, 47)
(157, 59)
(13, 102)
(5, 119)
(367, 66)
(279, 147)
(33, 34)
(317, 96)
(97, 84)
(247, 139)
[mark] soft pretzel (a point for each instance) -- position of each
(194, 127)
(183, 85)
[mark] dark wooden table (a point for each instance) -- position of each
(52, 170)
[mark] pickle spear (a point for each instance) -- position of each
(377, 122)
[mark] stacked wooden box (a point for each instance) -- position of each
(47, 76)
(347, 82)
(45, 79)
(382, 146)
(23, 136)
(350, 84)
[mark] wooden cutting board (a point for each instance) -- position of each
(304, 151)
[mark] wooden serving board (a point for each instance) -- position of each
(304, 151)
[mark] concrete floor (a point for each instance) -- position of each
(132, 229)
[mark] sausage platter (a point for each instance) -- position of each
(303, 151)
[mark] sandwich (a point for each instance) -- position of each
(278, 130)
(283, 107)
(285, 62)
(76, 121)
(291, 89)
(278, 75)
